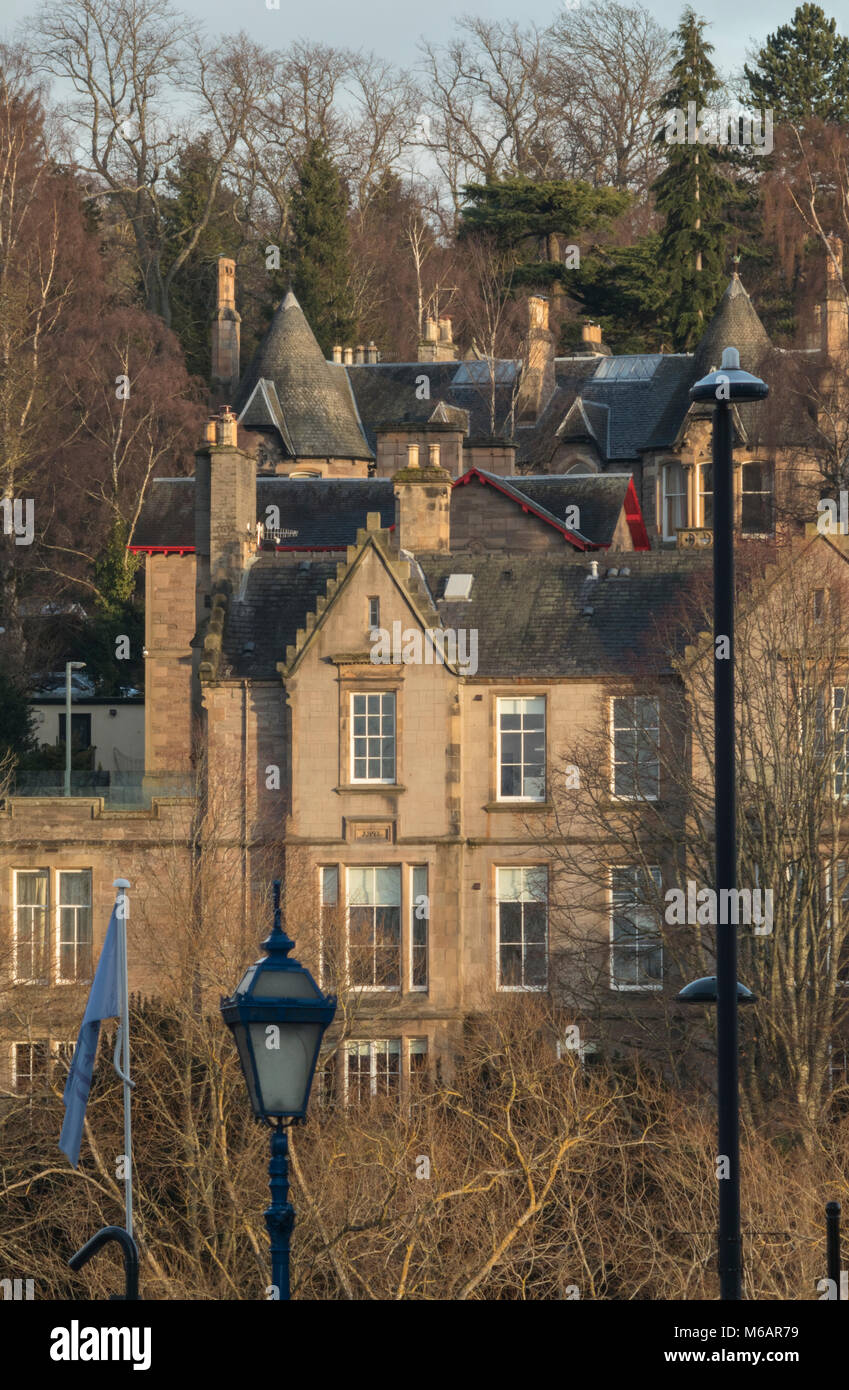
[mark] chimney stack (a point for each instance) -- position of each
(226, 330)
(537, 383)
(591, 334)
(438, 344)
(834, 318)
(423, 503)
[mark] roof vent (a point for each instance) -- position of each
(588, 609)
(593, 569)
(624, 573)
(613, 574)
(458, 587)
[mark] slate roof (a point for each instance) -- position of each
(734, 324)
(390, 393)
(265, 621)
(167, 518)
(529, 611)
(530, 615)
(325, 511)
(313, 395)
(599, 497)
(321, 511)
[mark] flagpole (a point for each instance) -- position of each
(123, 908)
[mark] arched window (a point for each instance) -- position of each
(757, 497)
(674, 500)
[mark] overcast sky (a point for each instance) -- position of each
(393, 27)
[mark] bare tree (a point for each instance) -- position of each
(131, 66)
(609, 65)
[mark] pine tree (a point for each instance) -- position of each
(321, 269)
(193, 291)
(532, 219)
(692, 194)
(622, 289)
(802, 70)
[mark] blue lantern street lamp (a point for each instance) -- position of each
(278, 1016)
(725, 389)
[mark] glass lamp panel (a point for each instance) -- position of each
(285, 1056)
(240, 1034)
(285, 984)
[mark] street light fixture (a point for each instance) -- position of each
(725, 388)
(278, 1016)
(69, 667)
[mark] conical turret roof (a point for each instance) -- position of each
(315, 396)
(735, 324)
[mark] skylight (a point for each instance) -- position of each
(641, 368)
(477, 373)
(458, 586)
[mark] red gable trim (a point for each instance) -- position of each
(161, 549)
(527, 507)
(634, 518)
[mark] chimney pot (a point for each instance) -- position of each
(361, 353)
(412, 455)
(348, 356)
(337, 353)
(433, 455)
(371, 351)
(431, 330)
(445, 330)
(226, 431)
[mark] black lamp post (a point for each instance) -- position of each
(278, 1016)
(725, 388)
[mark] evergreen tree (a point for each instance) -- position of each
(692, 192)
(802, 70)
(193, 291)
(321, 270)
(532, 218)
(622, 289)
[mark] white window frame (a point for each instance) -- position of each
(374, 868)
(372, 1044)
(761, 492)
(614, 762)
(843, 884)
(415, 922)
(374, 781)
(704, 492)
(77, 978)
(618, 986)
(669, 533)
(521, 699)
(28, 1042)
(18, 978)
(524, 869)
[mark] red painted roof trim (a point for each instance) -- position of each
(526, 507)
(634, 518)
(161, 549)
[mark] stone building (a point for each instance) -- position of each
(385, 602)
